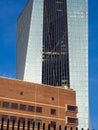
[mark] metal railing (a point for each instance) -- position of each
(6, 125)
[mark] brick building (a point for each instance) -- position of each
(25, 101)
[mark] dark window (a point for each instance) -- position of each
(53, 123)
(71, 108)
(72, 120)
(52, 98)
(5, 117)
(53, 111)
(5, 104)
(38, 122)
(31, 121)
(21, 119)
(21, 93)
(31, 108)
(39, 109)
(22, 107)
(13, 118)
(14, 106)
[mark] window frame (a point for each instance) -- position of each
(14, 105)
(39, 109)
(53, 111)
(52, 123)
(31, 108)
(22, 107)
(13, 118)
(5, 104)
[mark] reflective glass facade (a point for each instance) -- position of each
(77, 12)
(55, 44)
(53, 47)
(29, 47)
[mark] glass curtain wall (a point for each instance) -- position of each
(55, 68)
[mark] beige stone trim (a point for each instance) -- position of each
(30, 115)
(17, 100)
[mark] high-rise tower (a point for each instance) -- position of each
(53, 47)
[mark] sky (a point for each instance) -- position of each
(9, 12)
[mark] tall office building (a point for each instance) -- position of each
(53, 47)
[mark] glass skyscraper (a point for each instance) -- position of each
(53, 47)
